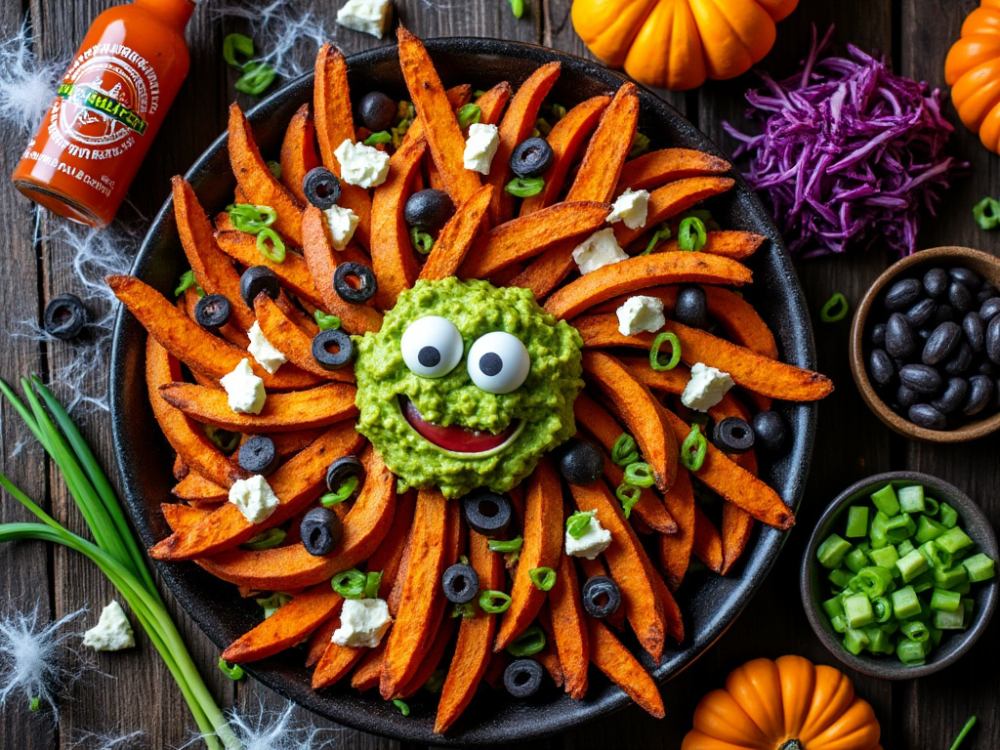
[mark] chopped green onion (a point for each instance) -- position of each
(326, 322)
(235, 45)
(506, 545)
(578, 523)
(275, 168)
(624, 450)
(350, 584)
(675, 352)
(494, 602)
(275, 251)
(35, 705)
(401, 705)
(987, 213)
(525, 187)
(693, 449)
(463, 610)
(640, 145)
(558, 112)
(628, 495)
(267, 539)
(224, 440)
(232, 671)
(517, 7)
(187, 281)
(964, 733)
(344, 492)
(373, 580)
(691, 236)
(436, 681)
(256, 78)
(468, 115)
(383, 136)
(250, 218)
(639, 474)
(543, 127)
(422, 242)
(273, 603)
(660, 235)
(835, 309)
(543, 578)
(529, 643)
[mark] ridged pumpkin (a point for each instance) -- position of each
(677, 44)
(972, 69)
(786, 704)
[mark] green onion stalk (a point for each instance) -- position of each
(114, 549)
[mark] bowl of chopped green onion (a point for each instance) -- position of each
(899, 579)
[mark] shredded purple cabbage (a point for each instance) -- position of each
(848, 152)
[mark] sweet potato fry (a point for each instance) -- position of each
(528, 236)
(742, 324)
(180, 469)
(605, 156)
(455, 238)
(256, 181)
(420, 593)
(322, 261)
(611, 657)
(569, 624)
(659, 167)
(642, 272)
(196, 488)
(458, 97)
(296, 483)
(515, 127)
(548, 657)
(369, 671)
(231, 332)
(671, 610)
(675, 549)
(492, 103)
(282, 412)
(542, 549)
(213, 271)
(332, 113)
(726, 244)
(319, 640)
(395, 596)
(289, 339)
(566, 139)
(431, 659)
(335, 662)
(289, 443)
(642, 413)
(393, 257)
(546, 271)
(286, 627)
(298, 152)
(389, 555)
(184, 435)
(707, 542)
(737, 524)
(293, 272)
(629, 566)
(671, 199)
(475, 636)
(192, 344)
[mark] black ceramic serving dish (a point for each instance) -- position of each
(710, 604)
(955, 644)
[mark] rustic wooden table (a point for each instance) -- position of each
(138, 693)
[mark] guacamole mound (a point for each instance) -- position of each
(543, 403)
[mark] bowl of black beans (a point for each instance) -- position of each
(925, 345)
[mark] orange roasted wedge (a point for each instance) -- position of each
(298, 152)
(658, 167)
(456, 237)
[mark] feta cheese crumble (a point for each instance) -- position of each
(640, 313)
(706, 387)
(254, 498)
(363, 622)
(367, 16)
(481, 147)
(264, 351)
(632, 207)
(598, 250)
(245, 390)
(112, 632)
(361, 165)
(341, 222)
(594, 541)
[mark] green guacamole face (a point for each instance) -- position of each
(423, 410)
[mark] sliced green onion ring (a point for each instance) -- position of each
(350, 584)
(987, 213)
(529, 643)
(628, 495)
(691, 236)
(270, 245)
(639, 474)
(382, 136)
(693, 449)
(525, 187)
(506, 545)
(232, 671)
(543, 578)
(235, 45)
(836, 308)
(578, 523)
(494, 602)
(324, 321)
(624, 450)
(257, 77)
(268, 539)
(675, 352)
(401, 705)
(421, 240)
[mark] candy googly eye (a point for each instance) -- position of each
(498, 362)
(431, 346)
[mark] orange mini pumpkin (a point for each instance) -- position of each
(973, 71)
(786, 704)
(677, 44)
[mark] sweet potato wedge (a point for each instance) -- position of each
(393, 257)
(197, 489)
(546, 271)
(492, 103)
(671, 610)
(335, 662)
(542, 549)
(289, 339)
(296, 483)
(431, 658)
(332, 113)
(566, 139)
(475, 636)
(420, 593)
(322, 260)
(525, 237)
(707, 542)
(611, 657)
(457, 98)
(298, 152)
(641, 412)
(231, 332)
(444, 137)
(515, 127)
(742, 324)
(389, 555)
(605, 156)
(642, 272)
(725, 243)
(671, 199)
(592, 569)
(456, 237)
(184, 434)
(569, 625)
(213, 270)
(319, 640)
(256, 181)
(656, 168)
(286, 627)
(737, 524)
(367, 675)
(675, 549)
(629, 567)
(649, 509)
(293, 272)
(282, 412)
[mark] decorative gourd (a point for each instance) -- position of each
(786, 704)
(677, 44)
(973, 71)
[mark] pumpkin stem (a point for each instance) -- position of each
(792, 745)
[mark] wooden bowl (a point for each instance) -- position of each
(987, 266)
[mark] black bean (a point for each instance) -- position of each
(953, 397)
(936, 282)
(906, 397)
(944, 313)
(959, 296)
(878, 335)
(980, 393)
(990, 308)
(925, 415)
(924, 333)
(881, 367)
(975, 331)
(993, 339)
(903, 294)
(987, 292)
(921, 312)
(960, 362)
(899, 338)
(921, 378)
(692, 307)
(965, 276)
(943, 341)
(990, 369)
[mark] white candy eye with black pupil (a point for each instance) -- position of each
(431, 346)
(498, 362)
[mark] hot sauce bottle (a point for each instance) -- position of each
(109, 107)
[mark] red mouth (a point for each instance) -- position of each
(453, 437)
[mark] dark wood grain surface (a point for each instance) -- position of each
(136, 692)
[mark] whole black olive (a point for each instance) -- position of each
(968, 278)
(531, 158)
(377, 111)
(581, 462)
(64, 317)
(881, 367)
(980, 392)
(692, 307)
(903, 294)
(770, 431)
(975, 331)
(921, 378)
(936, 282)
(942, 342)
(960, 361)
(925, 415)
(900, 340)
(953, 397)
(428, 209)
(960, 297)
(257, 279)
(921, 312)
(987, 292)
